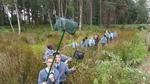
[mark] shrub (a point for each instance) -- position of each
(114, 71)
(132, 49)
(19, 64)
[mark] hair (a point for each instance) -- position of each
(86, 37)
(83, 40)
(56, 53)
(49, 46)
(50, 57)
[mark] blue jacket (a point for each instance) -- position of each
(63, 70)
(103, 40)
(47, 53)
(91, 42)
(43, 75)
(63, 57)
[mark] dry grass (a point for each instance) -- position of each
(21, 55)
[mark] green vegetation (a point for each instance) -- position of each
(21, 56)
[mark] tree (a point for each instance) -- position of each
(18, 20)
(47, 11)
(91, 11)
(81, 10)
(108, 9)
(100, 12)
(8, 15)
(142, 11)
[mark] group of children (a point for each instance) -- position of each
(59, 69)
(94, 40)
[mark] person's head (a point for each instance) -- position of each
(75, 40)
(86, 38)
(49, 61)
(83, 40)
(106, 30)
(58, 57)
(49, 46)
(92, 37)
(96, 36)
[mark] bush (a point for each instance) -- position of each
(114, 71)
(132, 50)
(19, 64)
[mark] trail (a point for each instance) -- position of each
(145, 66)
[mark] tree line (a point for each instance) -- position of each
(92, 12)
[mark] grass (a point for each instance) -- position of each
(21, 56)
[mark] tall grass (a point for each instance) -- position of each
(21, 57)
(113, 71)
(19, 64)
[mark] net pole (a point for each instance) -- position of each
(55, 55)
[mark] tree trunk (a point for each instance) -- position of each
(2, 13)
(136, 19)
(91, 11)
(100, 11)
(48, 12)
(7, 11)
(19, 29)
(59, 7)
(66, 8)
(50, 20)
(23, 10)
(81, 10)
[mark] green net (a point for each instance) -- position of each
(63, 24)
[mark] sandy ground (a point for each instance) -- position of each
(145, 66)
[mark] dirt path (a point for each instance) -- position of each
(145, 66)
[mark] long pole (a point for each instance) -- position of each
(55, 54)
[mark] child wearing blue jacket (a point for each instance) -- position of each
(62, 68)
(53, 76)
(103, 41)
(50, 51)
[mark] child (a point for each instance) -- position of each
(96, 38)
(103, 41)
(50, 51)
(87, 42)
(83, 44)
(91, 41)
(62, 68)
(53, 76)
(74, 44)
